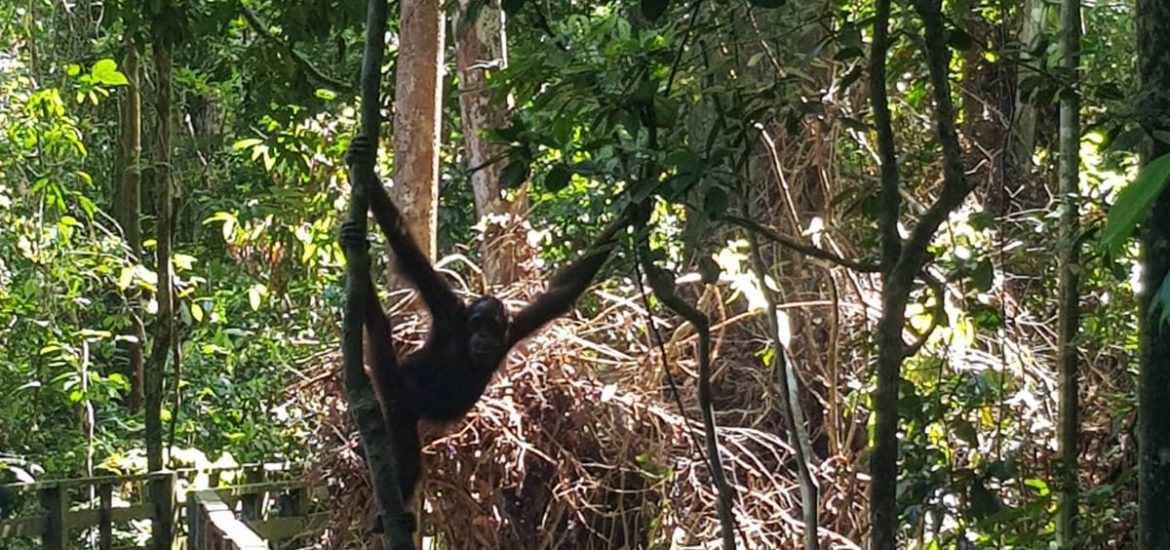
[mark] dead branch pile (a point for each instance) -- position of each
(579, 443)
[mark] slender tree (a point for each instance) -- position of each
(798, 437)
(1023, 131)
(376, 439)
(164, 203)
(128, 207)
(1068, 257)
(902, 260)
(1153, 38)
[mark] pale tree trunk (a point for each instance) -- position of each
(1023, 138)
(417, 112)
(128, 206)
(418, 108)
(481, 46)
(1153, 39)
(1068, 318)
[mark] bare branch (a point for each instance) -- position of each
(806, 249)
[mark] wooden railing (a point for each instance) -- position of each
(58, 518)
(268, 512)
(83, 513)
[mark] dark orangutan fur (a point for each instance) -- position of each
(467, 342)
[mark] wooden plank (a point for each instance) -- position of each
(257, 488)
(105, 517)
(223, 521)
(53, 535)
(22, 527)
(285, 528)
(34, 525)
(88, 518)
(195, 538)
(73, 483)
(185, 473)
(64, 521)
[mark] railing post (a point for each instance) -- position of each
(105, 516)
(53, 503)
(194, 523)
(252, 505)
(162, 502)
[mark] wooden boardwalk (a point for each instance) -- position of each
(262, 507)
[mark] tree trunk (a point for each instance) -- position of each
(1068, 315)
(128, 207)
(376, 438)
(481, 45)
(1023, 136)
(903, 260)
(418, 104)
(1153, 39)
(164, 196)
(883, 461)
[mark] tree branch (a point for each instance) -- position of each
(935, 317)
(891, 242)
(254, 21)
(793, 414)
(806, 249)
(363, 403)
(955, 188)
(663, 286)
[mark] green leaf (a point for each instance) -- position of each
(106, 72)
(983, 502)
(255, 294)
(715, 203)
(247, 143)
(653, 9)
(986, 317)
(1133, 202)
(965, 431)
(558, 178)
(685, 161)
(959, 39)
(768, 4)
(125, 278)
(846, 54)
(1038, 485)
(183, 261)
(983, 275)
(512, 6)
(1161, 300)
(514, 174)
